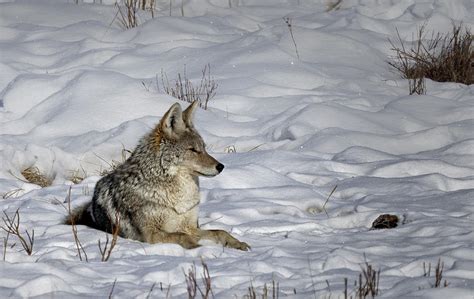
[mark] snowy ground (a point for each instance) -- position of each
(76, 90)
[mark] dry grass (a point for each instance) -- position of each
(184, 90)
(441, 57)
(12, 193)
(33, 175)
(77, 176)
(114, 163)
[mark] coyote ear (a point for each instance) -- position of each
(172, 123)
(188, 114)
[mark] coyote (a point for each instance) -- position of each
(154, 194)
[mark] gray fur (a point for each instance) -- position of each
(155, 192)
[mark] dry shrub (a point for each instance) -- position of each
(192, 284)
(72, 221)
(33, 175)
(438, 274)
(368, 282)
(184, 90)
(366, 287)
(252, 293)
(442, 57)
(128, 13)
(106, 251)
(12, 227)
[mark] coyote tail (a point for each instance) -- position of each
(81, 215)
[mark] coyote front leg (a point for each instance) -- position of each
(224, 238)
(187, 241)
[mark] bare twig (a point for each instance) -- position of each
(80, 249)
(5, 244)
(290, 28)
(252, 292)
(151, 290)
(426, 273)
(327, 200)
(12, 226)
(107, 251)
(439, 274)
(192, 284)
(368, 282)
(206, 281)
(128, 15)
(12, 193)
(112, 290)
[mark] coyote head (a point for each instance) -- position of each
(182, 147)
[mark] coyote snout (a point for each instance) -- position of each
(155, 192)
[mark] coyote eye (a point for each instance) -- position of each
(194, 150)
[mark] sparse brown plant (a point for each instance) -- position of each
(438, 273)
(441, 57)
(417, 85)
(184, 90)
(12, 227)
(367, 286)
(252, 292)
(106, 251)
(149, 5)
(192, 284)
(127, 14)
(368, 282)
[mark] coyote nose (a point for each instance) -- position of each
(220, 167)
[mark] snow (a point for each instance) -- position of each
(76, 89)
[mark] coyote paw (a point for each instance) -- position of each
(237, 245)
(226, 239)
